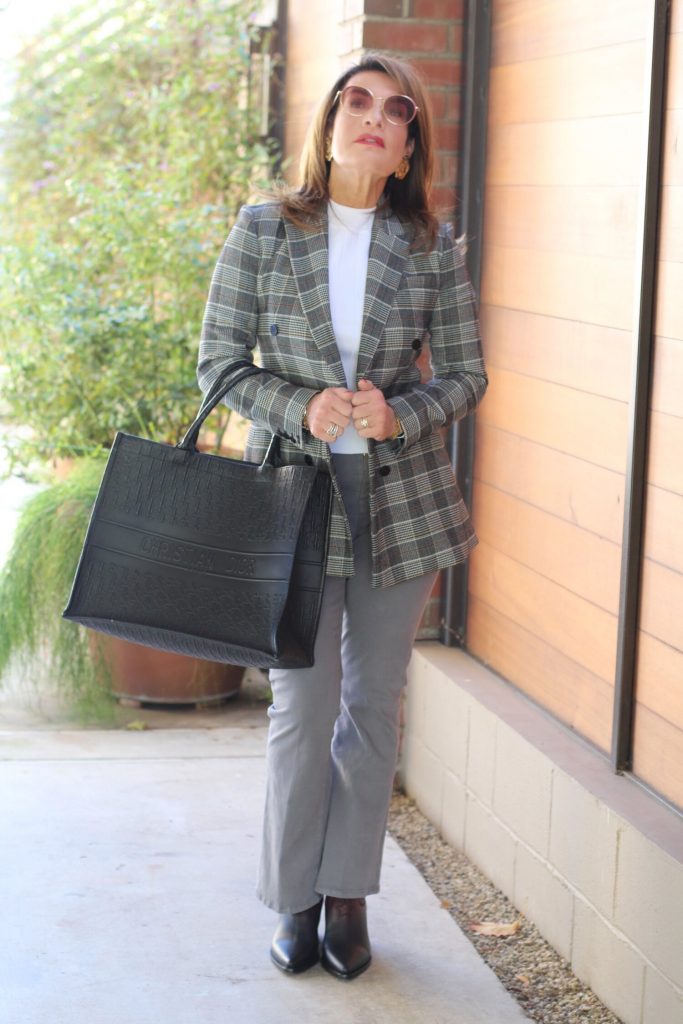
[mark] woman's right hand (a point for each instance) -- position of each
(328, 407)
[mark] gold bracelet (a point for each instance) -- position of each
(398, 429)
(304, 422)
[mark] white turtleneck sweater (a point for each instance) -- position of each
(349, 246)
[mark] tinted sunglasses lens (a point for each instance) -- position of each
(399, 109)
(356, 100)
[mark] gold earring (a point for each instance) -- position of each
(402, 169)
(328, 149)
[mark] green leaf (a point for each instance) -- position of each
(122, 172)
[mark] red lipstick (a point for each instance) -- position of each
(371, 140)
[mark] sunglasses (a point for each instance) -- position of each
(357, 100)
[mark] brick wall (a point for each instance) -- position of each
(429, 33)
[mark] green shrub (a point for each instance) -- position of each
(34, 589)
(128, 150)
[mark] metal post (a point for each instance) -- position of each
(643, 347)
(470, 223)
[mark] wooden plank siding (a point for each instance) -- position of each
(557, 300)
(573, 489)
(525, 30)
(658, 734)
(567, 689)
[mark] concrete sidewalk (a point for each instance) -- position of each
(128, 863)
(128, 868)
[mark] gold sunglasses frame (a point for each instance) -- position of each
(382, 100)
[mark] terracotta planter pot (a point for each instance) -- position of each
(146, 674)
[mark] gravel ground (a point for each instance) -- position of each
(528, 967)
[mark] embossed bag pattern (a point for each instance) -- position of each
(205, 555)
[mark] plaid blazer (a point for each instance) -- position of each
(270, 291)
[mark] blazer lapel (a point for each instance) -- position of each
(308, 253)
(309, 256)
(388, 253)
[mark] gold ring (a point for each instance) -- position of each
(364, 423)
(332, 430)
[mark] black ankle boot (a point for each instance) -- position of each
(295, 945)
(346, 946)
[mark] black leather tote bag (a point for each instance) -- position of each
(204, 555)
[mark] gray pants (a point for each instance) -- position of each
(334, 728)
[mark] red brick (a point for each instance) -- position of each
(448, 10)
(452, 104)
(405, 36)
(447, 169)
(443, 202)
(445, 103)
(455, 39)
(439, 72)
(437, 99)
(447, 135)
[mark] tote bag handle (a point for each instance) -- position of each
(213, 397)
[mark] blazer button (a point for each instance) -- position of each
(417, 344)
(384, 470)
(308, 459)
(273, 329)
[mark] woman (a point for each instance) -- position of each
(337, 283)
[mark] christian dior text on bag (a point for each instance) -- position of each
(205, 555)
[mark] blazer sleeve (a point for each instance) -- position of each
(229, 332)
(459, 380)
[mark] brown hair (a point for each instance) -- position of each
(409, 199)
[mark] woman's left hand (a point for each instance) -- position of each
(372, 416)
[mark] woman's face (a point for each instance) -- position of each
(369, 145)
